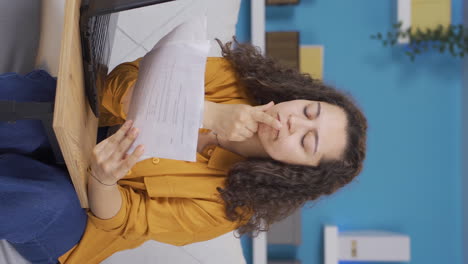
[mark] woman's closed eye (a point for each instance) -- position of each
(304, 139)
(305, 112)
(314, 144)
(317, 113)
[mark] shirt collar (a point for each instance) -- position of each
(219, 158)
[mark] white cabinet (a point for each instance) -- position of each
(365, 246)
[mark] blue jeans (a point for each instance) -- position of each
(40, 214)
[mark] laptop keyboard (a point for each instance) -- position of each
(100, 50)
(97, 45)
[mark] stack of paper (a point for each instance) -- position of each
(168, 98)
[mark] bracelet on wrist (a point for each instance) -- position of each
(92, 175)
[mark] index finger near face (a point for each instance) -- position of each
(266, 119)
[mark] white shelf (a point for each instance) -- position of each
(330, 237)
(369, 245)
(404, 16)
(257, 15)
(260, 249)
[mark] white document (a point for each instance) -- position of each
(167, 102)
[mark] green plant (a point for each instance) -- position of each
(452, 39)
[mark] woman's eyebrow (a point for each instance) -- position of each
(316, 141)
(319, 109)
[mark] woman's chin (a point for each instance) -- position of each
(262, 132)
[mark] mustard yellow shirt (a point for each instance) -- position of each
(170, 201)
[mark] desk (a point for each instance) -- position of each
(74, 123)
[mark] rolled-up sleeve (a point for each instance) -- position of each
(115, 89)
(221, 83)
(176, 221)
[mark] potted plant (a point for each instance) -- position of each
(452, 39)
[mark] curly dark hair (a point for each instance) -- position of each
(261, 191)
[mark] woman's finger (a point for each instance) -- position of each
(246, 133)
(113, 142)
(124, 145)
(266, 119)
(99, 147)
(120, 134)
(264, 107)
(131, 160)
(237, 137)
(252, 126)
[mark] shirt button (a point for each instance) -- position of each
(129, 172)
(210, 151)
(155, 161)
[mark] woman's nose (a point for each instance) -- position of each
(296, 123)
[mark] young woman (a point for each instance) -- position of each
(257, 161)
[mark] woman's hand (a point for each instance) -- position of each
(237, 122)
(109, 161)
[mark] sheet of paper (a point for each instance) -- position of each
(191, 30)
(167, 102)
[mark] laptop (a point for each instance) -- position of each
(98, 22)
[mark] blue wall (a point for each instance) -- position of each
(464, 146)
(412, 176)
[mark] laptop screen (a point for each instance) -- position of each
(101, 7)
(97, 26)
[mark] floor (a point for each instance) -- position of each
(139, 29)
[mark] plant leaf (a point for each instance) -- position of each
(452, 49)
